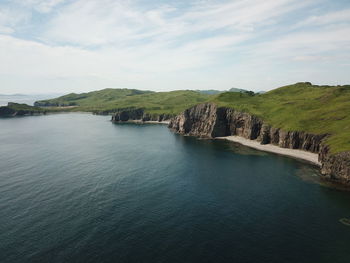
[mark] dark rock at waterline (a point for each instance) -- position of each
(335, 167)
(208, 120)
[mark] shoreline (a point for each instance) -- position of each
(143, 122)
(295, 153)
(160, 122)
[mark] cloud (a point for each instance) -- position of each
(42, 6)
(18, 13)
(326, 42)
(10, 18)
(102, 22)
(90, 44)
(331, 18)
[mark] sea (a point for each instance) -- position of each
(76, 187)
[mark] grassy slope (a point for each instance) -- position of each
(172, 102)
(301, 107)
(96, 98)
(298, 107)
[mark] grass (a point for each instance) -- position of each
(300, 107)
(110, 100)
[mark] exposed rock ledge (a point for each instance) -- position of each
(138, 115)
(208, 120)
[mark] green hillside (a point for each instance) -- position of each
(109, 100)
(95, 98)
(300, 107)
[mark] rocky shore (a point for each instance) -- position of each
(209, 121)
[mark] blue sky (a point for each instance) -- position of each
(83, 45)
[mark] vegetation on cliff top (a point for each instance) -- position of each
(110, 100)
(300, 107)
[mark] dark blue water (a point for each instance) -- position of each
(77, 188)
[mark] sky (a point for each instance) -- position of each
(62, 46)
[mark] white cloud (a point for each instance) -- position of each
(10, 18)
(341, 16)
(42, 6)
(92, 22)
(20, 12)
(328, 42)
(91, 44)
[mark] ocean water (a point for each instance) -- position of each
(78, 188)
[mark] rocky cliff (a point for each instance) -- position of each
(208, 120)
(335, 167)
(139, 115)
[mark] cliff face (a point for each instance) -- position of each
(140, 115)
(335, 167)
(197, 121)
(208, 120)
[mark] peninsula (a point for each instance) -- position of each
(309, 118)
(15, 109)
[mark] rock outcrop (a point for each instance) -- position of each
(15, 109)
(138, 115)
(209, 121)
(335, 167)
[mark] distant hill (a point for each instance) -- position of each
(90, 98)
(214, 92)
(299, 107)
(13, 95)
(112, 100)
(16, 109)
(237, 90)
(25, 98)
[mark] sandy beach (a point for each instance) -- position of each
(152, 122)
(299, 154)
(160, 122)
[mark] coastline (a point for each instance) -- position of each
(159, 122)
(295, 153)
(144, 122)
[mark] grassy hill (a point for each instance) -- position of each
(300, 107)
(95, 98)
(109, 100)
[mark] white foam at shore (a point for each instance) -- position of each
(300, 154)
